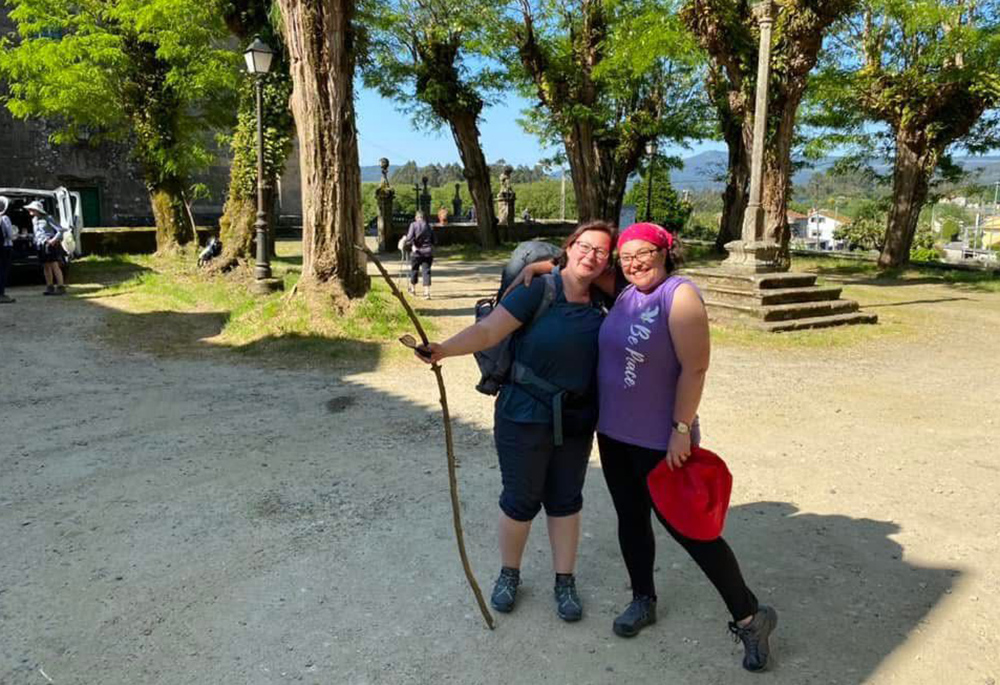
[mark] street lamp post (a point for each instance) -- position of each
(651, 151)
(258, 58)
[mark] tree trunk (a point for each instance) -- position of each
(736, 194)
(598, 177)
(477, 174)
(914, 164)
(320, 39)
(778, 173)
(237, 229)
(173, 222)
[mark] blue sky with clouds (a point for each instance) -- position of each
(385, 132)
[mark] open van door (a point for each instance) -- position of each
(70, 214)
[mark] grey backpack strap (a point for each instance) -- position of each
(548, 296)
(521, 374)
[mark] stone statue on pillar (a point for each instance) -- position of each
(425, 201)
(756, 252)
(384, 197)
(456, 203)
(505, 203)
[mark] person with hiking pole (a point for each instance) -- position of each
(546, 413)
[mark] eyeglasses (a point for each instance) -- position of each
(586, 248)
(640, 257)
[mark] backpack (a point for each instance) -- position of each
(495, 362)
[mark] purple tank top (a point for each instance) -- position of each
(637, 368)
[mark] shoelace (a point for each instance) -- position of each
(749, 637)
(565, 594)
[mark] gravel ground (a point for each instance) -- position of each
(198, 520)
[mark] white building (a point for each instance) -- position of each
(815, 230)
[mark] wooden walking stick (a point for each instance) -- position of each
(456, 515)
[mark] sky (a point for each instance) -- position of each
(385, 132)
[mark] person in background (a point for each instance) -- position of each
(47, 241)
(420, 240)
(6, 249)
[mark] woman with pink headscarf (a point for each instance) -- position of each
(652, 361)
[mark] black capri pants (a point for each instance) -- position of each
(421, 263)
(536, 473)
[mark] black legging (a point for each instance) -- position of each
(6, 256)
(625, 469)
(421, 263)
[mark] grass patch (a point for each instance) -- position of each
(167, 305)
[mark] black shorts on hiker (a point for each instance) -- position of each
(50, 253)
(536, 473)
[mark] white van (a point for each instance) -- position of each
(61, 204)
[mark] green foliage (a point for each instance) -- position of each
(923, 249)
(867, 230)
(668, 209)
(249, 19)
(429, 56)
(153, 71)
(608, 64)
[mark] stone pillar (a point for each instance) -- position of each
(456, 204)
(384, 196)
(425, 201)
(754, 252)
(505, 204)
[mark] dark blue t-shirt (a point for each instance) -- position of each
(560, 347)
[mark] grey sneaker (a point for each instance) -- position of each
(6, 300)
(637, 615)
(49, 290)
(505, 589)
(755, 638)
(568, 604)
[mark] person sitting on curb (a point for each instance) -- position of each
(50, 253)
(6, 249)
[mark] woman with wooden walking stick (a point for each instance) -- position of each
(545, 416)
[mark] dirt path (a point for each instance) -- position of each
(194, 521)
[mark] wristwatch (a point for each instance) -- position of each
(682, 428)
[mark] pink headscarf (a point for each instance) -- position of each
(651, 233)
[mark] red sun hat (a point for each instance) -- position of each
(651, 233)
(694, 498)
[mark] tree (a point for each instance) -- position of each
(423, 54)
(867, 230)
(668, 210)
(321, 40)
(608, 76)
(729, 34)
(148, 71)
(247, 19)
(928, 72)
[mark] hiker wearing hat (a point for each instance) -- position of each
(546, 411)
(47, 241)
(6, 249)
(654, 354)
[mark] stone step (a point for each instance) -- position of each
(811, 293)
(819, 322)
(784, 312)
(720, 277)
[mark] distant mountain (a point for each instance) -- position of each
(707, 170)
(373, 174)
